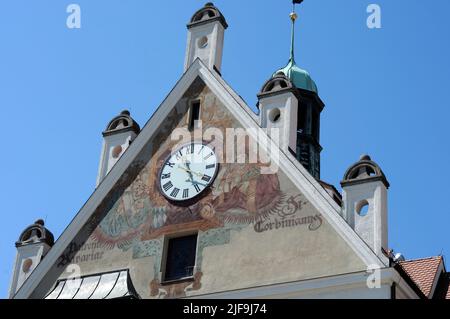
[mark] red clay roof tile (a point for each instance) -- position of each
(423, 272)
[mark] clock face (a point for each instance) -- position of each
(188, 172)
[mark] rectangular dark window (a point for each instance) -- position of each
(301, 119)
(195, 114)
(315, 125)
(180, 258)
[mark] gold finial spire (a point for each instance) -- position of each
(293, 16)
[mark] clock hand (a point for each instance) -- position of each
(191, 180)
(188, 165)
(190, 171)
(198, 183)
(186, 162)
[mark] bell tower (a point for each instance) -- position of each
(299, 122)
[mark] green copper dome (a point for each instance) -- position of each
(299, 77)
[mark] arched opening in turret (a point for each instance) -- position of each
(34, 232)
(204, 15)
(283, 84)
(269, 87)
(275, 84)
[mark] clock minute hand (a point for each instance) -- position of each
(198, 183)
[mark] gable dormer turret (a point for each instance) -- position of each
(117, 137)
(206, 32)
(32, 246)
(365, 192)
(278, 105)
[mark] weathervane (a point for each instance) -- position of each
(294, 2)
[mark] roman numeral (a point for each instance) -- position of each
(197, 188)
(165, 176)
(190, 149)
(208, 156)
(186, 193)
(172, 165)
(210, 166)
(167, 186)
(201, 149)
(175, 192)
(206, 178)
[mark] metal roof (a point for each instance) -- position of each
(112, 285)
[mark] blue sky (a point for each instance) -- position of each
(385, 90)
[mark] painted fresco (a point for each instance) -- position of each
(132, 221)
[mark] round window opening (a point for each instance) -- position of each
(117, 150)
(203, 42)
(362, 208)
(275, 115)
(27, 265)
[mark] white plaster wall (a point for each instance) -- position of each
(211, 55)
(106, 159)
(34, 252)
(372, 228)
(253, 259)
(383, 292)
(287, 103)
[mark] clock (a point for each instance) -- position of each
(188, 172)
